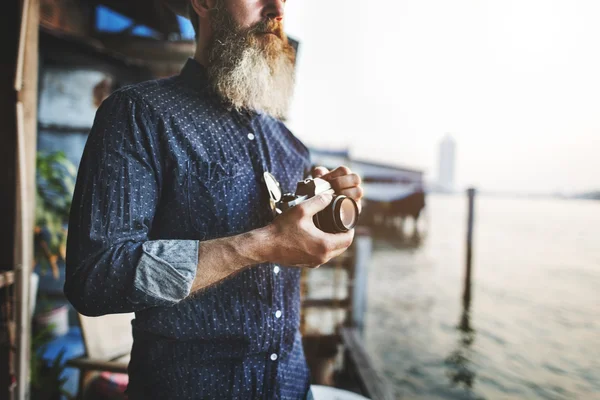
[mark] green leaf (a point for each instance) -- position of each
(55, 176)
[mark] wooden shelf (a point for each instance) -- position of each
(326, 303)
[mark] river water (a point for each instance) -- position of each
(533, 330)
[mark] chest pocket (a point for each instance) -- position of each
(217, 195)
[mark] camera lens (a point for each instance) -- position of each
(345, 213)
(348, 213)
(340, 215)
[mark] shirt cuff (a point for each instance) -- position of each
(165, 272)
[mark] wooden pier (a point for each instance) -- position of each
(336, 354)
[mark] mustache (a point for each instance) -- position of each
(269, 26)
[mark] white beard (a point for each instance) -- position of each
(254, 84)
(250, 72)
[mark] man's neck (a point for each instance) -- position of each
(201, 57)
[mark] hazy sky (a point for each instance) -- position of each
(516, 82)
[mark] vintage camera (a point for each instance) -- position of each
(340, 215)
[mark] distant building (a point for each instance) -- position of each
(447, 162)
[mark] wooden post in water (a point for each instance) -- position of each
(467, 288)
(363, 244)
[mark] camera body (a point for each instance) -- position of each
(341, 215)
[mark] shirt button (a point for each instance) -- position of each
(273, 356)
(276, 269)
(278, 314)
(251, 136)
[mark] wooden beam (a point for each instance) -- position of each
(371, 382)
(26, 85)
(90, 364)
(326, 303)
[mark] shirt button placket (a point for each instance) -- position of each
(278, 313)
(276, 287)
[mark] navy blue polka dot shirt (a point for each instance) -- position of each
(167, 164)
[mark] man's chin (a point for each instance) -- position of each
(269, 42)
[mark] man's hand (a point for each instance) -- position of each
(343, 181)
(292, 239)
(296, 241)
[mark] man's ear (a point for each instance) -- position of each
(203, 7)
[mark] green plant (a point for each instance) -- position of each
(55, 182)
(55, 178)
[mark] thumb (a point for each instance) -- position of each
(316, 204)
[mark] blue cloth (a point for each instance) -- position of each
(167, 164)
(72, 345)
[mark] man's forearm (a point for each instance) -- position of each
(220, 258)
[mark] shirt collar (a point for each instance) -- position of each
(195, 75)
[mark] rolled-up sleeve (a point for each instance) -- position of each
(111, 266)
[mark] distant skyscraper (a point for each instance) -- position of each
(447, 163)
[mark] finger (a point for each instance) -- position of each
(339, 171)
(345, 182)
(355, 193)
(340, 241)
(315, 204)
(319, 171)
(338, 253)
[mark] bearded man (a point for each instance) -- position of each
(171, 218)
